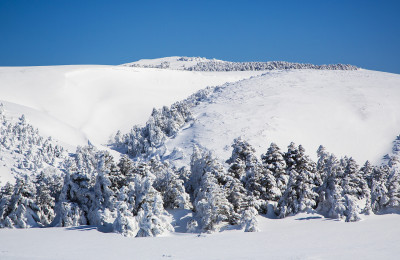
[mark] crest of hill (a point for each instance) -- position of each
(204, 64)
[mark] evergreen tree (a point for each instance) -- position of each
(367, 172)
(151, 216)
(249, 184)
(249, 221)
(2, 114)
(140, 210)
(168, 183)
(125, 223)
(104, 196)
(275, 175)
(299, 195)
(47, 190)
(379, 191)
(175, 196)
(210, 202)
(6, 193)
(211, 205)
(21, 210)
(355, 185)
(126, 168)
(76, 198)
(393, 189)
(331, 201)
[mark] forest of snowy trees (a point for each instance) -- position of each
(271, 65)
(213, 65)
(162, 124)
(133, 195)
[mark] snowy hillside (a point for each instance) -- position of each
(76, 103)
(352, 113)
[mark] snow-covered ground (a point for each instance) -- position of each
(352, 113)
(300, 237)
(76, 103)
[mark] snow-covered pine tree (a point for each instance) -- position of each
(355, 188)
(21, 210)
(249, 220)
(210, 202)
(211, 205)
(152, 218)
(393, 188)
(238, 196)
(48, 189)
(139, 205)
(247, 182)
(85, 161)
(76, 197)
(2, 114)
(127, 169)
(367, 172)
(343, 190)
(379, 191)
(104, 197)
(393, 182)
(126, 222)
(168, 183)
(300, 192)
(275, 176)
(5, 197)
(243, 159)
(323, 157)
(175, 196)
(331, 202)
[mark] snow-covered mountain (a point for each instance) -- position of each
(183, 145)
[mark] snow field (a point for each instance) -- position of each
(300, 237)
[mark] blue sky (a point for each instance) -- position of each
(54, 32)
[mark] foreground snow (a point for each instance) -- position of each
(300, 237)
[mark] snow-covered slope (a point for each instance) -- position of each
(76, 103)
(353, 113)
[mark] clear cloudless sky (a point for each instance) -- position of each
(54, 32)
